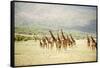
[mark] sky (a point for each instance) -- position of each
(69, 17)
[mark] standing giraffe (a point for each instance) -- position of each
(58, 42)
(64, 40)
(41, 43)
(73, 40)
(44, 42)
(53, 38)
(48, 41)
(93, 44)
(69, 41)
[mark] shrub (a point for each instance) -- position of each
(22, 38)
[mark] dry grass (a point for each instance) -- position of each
(30, 53)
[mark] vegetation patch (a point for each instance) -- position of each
(22, 38)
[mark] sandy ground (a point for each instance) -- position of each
(30, 53)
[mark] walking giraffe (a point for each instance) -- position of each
(58, 42)
(73, 40)
(69, 41)
(49, 43)
(64, 40)
(54, 40)
(94, 43)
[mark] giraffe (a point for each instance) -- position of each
(64, 40)
(44, 42)
(53, 38)
(73, 40)
(69, 41)
(48, 41)
(58, 42)
(94, 43)
(41, 43)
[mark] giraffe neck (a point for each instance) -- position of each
(71, 37)
(52, 36)
(92, 39)
(63, 35)
(88, 40)
(58, 37)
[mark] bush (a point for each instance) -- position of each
(22, 38)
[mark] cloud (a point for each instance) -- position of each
(54, 15)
